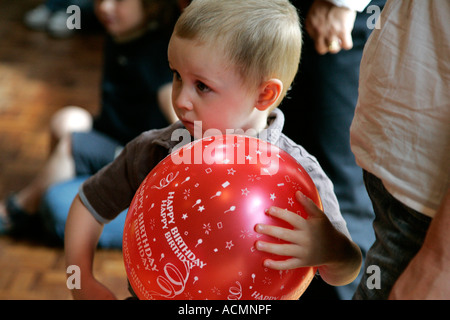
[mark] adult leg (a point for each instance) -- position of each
(91, 151)
(59, 166)
(400, 232)
(55, 207)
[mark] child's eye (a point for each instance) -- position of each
(203, 87)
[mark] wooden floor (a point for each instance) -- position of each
(38, 76)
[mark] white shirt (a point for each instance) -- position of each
(401, 129)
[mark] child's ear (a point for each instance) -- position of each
(269, 92)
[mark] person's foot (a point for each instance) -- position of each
(5, 224)
(14, 220)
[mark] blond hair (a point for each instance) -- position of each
(261, 37)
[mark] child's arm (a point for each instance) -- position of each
(313, 242)
(81, 237)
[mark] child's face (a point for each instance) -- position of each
(121, 17)
(207, 88)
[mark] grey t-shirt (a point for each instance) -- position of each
(111, 190)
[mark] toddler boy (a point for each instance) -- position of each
(233, 62)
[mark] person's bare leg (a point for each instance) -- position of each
(60, 165)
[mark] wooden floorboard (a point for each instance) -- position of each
(38, 76)
(35, 272)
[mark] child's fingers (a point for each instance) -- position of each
(310, 207)
(287, 250)
(276, 232)
(287, 264)
(292, 218)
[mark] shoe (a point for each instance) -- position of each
(17, 222)
(38, 18)
(57, 25)
(5, 225)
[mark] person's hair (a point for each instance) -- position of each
(262, 38)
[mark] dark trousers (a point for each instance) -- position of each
(319, 110)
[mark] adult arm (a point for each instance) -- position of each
(428, 274)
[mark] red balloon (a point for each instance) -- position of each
(189, 232)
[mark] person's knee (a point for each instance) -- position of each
(67, 120)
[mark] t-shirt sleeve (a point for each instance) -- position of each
(111, 190)
(327, 195)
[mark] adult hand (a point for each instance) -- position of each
(425, 278)
(428, 274)
(330, 26)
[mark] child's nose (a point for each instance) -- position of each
(182, 100)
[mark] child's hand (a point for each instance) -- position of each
(312, 242)
(308, 241)
(93, 290)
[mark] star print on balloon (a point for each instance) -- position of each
(189, 232)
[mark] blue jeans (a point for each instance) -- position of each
(55, 208)
(399, 231)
